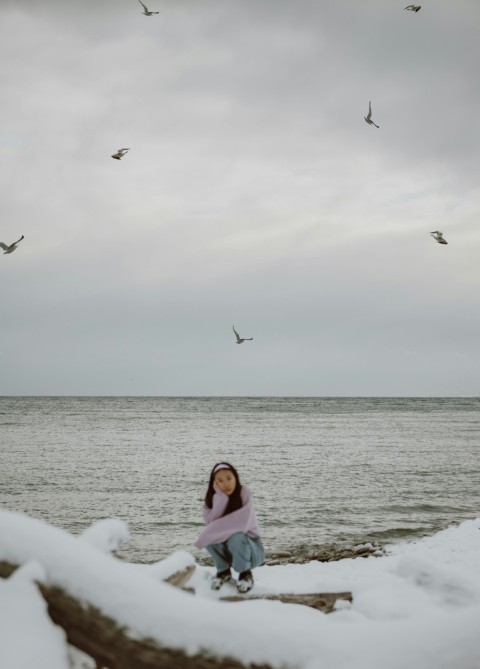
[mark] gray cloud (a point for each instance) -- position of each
(254, 194)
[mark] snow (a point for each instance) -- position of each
(107, 534)
(418, 605)
(26, 631)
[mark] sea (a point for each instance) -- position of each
(322, 470)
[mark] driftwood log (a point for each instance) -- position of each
(111, 646)
(322, 601)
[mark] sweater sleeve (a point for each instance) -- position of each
(241, 520)
(219, 504)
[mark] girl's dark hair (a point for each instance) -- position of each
(235, 499)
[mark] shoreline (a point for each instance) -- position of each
(331, 552)
(326, 553)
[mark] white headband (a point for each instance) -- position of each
(222, 465)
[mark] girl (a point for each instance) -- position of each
(231, 537)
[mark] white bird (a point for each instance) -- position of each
(368, 117)
(120, 153)
(146, 11)
(438, 236)
(12, 247)
(414, 8)
(240, 340)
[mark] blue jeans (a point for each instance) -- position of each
(239, 551)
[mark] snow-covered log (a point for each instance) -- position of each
(101, 637)
(112, 647)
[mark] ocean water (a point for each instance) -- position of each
(321, 470)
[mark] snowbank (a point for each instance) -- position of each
(419, 605)
(28, 638)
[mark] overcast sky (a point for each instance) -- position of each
(254, 195)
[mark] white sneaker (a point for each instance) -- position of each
(245, 582)
(220, 579)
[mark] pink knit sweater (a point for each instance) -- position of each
(220, 528)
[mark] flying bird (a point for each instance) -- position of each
(438, 236)
(120, 153)
(414, 8)
(368, 117)
(240, 340)
(12, 247)
(146, 11)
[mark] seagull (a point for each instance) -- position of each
(12, 247)
(368, 117)
(240, 340)
(438, 236)
(146, 11)
(414, 8)
(120, 153)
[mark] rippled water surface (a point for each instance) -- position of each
(321, 469)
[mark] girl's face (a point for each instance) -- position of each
(225, 480)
